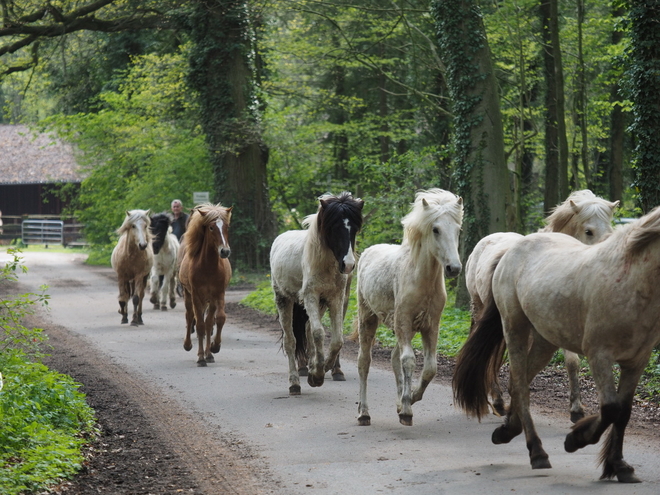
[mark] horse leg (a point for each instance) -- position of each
(404, 334)
(124, 294)
(204, 321)
(171, 291)
(367, 325)
(140, 288)
(190, 319)
(153, 288)
(285, 311)
(336, 336)
(220, 318)
(317, 365)
(429, 343)
(612, 452)
(499, 409)
(337, 373)
(162, 292)
(572, 362)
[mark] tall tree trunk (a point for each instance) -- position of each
(618, 126)
(222, 71)
(644, 68)
(556, 144)
(480, 171)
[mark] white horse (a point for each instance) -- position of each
(584, 216)
(310, 272)
(404, 287)
(132, 259)
(600, 301)
(164, 272)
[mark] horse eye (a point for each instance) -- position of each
(589, 233)
(435, 230)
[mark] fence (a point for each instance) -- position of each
(42, 232)
(41, 229)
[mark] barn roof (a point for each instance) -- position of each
(26, 160)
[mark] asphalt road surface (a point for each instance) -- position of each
(311, 444)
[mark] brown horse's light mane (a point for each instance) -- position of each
(132, 217)
(564, 218)
(639, 234)
(202, 216)
(417, 223)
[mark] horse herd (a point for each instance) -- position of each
(578, 285)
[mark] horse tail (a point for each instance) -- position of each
(479, 361)
(299, 325)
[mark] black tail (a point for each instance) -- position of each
(479, 361)
(299, 323)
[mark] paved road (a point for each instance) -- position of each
(312, 442)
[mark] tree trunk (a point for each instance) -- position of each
(556, 144)
(223, 73)
(480, 172)
(618, 127)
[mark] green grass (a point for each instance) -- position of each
(454, 327)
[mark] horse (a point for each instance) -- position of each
(204, 273)
(132, 259)
(310, 274)
(584, 216)
(404, 287)
(601, 301)
(164, 271)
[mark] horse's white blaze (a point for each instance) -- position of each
(223, 244)
(349, 259)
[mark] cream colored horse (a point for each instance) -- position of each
(132, 259)
(403, 286)
(584, 216)
(600, 301)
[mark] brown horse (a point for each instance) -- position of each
(205, 273)
(132, 259)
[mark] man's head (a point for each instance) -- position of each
(176, 207)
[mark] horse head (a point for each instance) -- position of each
(584, 216)
(136, 224)
(433, 227)
(217, 220)
(339, 219)
(160, 225)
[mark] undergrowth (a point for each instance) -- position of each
(44, 419)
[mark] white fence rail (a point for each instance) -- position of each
(42, 231)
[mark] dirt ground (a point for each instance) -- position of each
(147, 445)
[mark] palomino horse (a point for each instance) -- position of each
(310, 274)
(404, 287)
(584, 216)
(163, 274)
(205, 272)
(132, 259)
(601, 301)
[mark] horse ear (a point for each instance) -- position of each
(128, 213)
(323, 202)
(615, 205)
(360, 203)
(229, 212)
(425, 203)
(460, 201)
(574, 207)
(148, 212)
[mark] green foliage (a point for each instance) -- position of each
(42, 413)
(141, 149)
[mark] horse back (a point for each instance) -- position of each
(286, 261)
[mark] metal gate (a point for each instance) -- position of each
(42, 231)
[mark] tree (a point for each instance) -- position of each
(644, 66)
(481, 175)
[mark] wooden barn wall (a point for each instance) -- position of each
(29, 199)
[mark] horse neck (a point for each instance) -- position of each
(316, 255)
(424, 264)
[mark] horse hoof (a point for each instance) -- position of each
(294, 390)
(364, 421)
(541, 462)
(124, 321)
(156, 306)
(627, 475)
(338, 376)
(215, 348)
(406, 419)
(201, 363)
(154, 299)
(576, 416)
(498, 408)
(501, 435)
(303, 371)
(135, 324)
(570, 445)
(210, 359)
(315, 382)
(172, 304)
(187, 347)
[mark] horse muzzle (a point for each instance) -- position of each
(143, 246)
(452, 271)
(225, 252)
(346, 268)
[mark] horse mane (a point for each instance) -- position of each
(133, 216)
(588, 205)
(332, 209)
(639, 234)
(162, 217)
(200, 217)
(417, 223)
